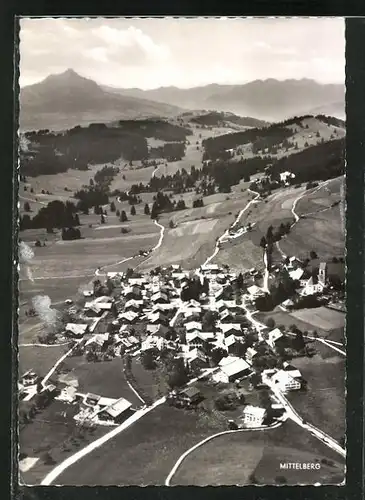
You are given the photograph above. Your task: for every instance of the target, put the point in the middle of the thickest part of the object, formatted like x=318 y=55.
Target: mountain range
x=270 y=99
x=68 y=99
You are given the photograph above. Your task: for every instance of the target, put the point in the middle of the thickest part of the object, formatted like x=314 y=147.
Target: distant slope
x=277 y=140
x=219 y=119
x=270 y=99
x=68 y=99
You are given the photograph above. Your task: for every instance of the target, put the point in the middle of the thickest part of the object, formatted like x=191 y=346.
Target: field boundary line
x=42 y=345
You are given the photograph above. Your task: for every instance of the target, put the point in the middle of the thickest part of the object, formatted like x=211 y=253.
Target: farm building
x=117 y=412
x=196 y=359
x=231 y=369
x=76 y=330
x=190 y=396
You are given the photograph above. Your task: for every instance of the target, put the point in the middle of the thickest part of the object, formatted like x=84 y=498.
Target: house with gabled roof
x=157 y=318
x=250 y=355
x=231 y=369
x=253 y=416
x=195 y=340
x=132 y=292
x=285 y=382
x=117 y=412
x=193 y=325
x=274 y=337
x=128 y=317
x=159 y=298
x=226 y=316
x=230 y=329
x=196 y=359
x=133 y=305
x=231 y=343
x=312 y=286
x=76 y=330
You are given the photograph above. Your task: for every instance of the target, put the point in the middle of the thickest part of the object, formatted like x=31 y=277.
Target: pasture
x=322 y=232
x=237 y=458
x=324 y=321
x=144 y=453
x=321 y=317
x=53 y=430
x=323 y=403
x=241 y=254
x=40 y=359
x=322 y=198
x=105 y=378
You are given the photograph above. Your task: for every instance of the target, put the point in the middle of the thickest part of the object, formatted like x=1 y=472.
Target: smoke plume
x=42 y=306
x=26 y=256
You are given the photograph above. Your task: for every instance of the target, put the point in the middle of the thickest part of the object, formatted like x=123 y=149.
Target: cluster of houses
x=145 y=314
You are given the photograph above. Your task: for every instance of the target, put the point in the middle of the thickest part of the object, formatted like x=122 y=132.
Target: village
x=197 y=331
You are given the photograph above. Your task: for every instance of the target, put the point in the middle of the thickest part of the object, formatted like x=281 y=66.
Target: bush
x=270 y=323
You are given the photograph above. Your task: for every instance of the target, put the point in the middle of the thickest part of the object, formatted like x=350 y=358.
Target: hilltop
x=269 y=100
x=64 y=100
x=221 y=119
x=277 y=140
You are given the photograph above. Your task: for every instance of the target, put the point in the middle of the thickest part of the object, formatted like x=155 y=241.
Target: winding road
x=206 y=440
x=225 y=235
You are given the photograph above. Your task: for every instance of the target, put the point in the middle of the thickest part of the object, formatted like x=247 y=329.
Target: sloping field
x=323 y=403
x=308 y=321
x=322 y=198
x=55 y=184
x=323 y=233
x=105 y=378
x=143 y=454
x=190 y=244
x=321 y=317
x=232 y=459
x=241 y=255
x=40 y=359
x=54 y=431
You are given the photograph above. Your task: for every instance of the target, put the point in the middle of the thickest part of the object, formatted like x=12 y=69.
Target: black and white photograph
x=181 y=242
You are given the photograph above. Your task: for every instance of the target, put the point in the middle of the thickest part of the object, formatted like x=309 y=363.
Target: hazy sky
x=149 y=53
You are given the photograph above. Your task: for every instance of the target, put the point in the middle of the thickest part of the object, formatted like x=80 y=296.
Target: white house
x=285 y=382
x=230 y=328
x=250 y=354
x=296 y=274
x=273 y=337
x=128 y=317
x=193 y=325
x=77 y=330
x=312 y=287
x=254 y=291
x=253 y=416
